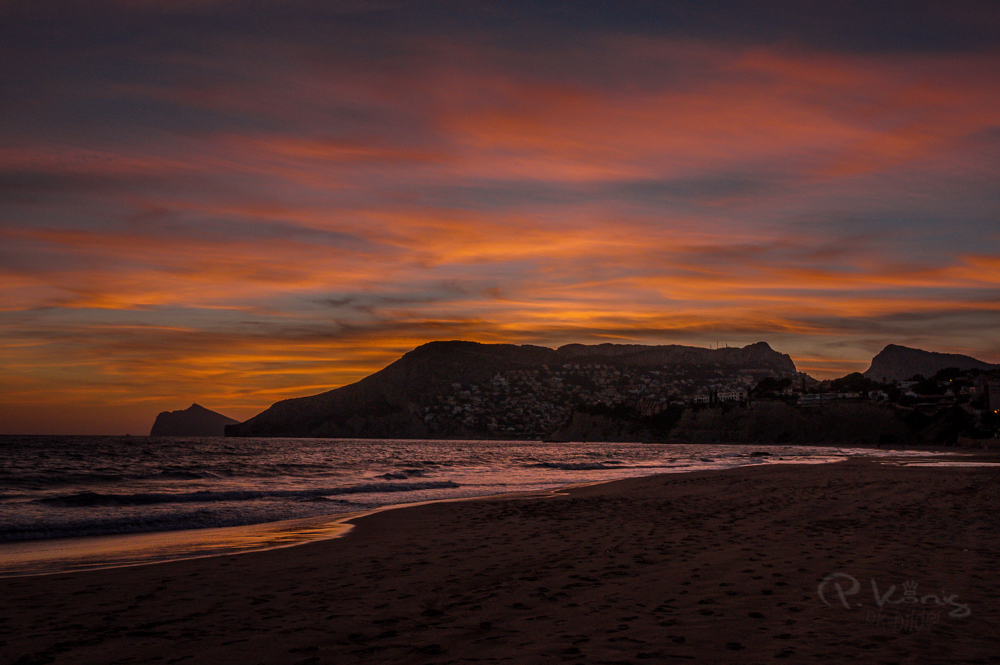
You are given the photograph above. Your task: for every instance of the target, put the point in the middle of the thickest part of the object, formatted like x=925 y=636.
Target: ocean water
x=80 y=502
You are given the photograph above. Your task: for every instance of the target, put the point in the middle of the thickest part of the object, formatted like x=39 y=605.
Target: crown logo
x=910 y=592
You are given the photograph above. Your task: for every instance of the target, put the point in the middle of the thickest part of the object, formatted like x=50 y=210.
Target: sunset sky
x=232 y=203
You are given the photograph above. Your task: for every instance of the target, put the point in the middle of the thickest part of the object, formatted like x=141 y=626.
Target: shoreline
x=281 y=534
x=127 y=550
x=723 y=565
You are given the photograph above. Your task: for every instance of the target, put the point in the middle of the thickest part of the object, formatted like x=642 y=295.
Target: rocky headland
x=195 y=420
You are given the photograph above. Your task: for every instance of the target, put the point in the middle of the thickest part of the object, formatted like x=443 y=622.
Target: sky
x=233 y=203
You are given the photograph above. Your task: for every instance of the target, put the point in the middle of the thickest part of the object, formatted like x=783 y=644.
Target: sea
x=78 y=502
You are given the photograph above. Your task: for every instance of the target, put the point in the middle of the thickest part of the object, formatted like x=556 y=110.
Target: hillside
x=462 y=389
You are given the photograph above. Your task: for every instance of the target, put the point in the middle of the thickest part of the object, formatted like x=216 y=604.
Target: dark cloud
x=245 y=229
x=144 y=28
x=28 y=186
x=18 y=186
x=943 y=322
x=708 y=189
x=375 y=303
x=846 y=25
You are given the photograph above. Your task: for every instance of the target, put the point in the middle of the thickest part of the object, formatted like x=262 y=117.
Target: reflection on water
x=70 y=554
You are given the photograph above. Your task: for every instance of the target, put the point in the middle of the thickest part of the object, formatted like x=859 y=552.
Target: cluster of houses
x=819 y=399
x=972 y=397
x=536 y=401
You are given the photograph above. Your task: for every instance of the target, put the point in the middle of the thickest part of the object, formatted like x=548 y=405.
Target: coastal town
x=533 y=402
x=454 y=389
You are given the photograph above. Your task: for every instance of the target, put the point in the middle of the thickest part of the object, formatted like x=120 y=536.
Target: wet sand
x=719 y=566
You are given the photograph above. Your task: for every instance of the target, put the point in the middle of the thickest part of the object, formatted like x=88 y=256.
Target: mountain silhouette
x=195 y=420
x=899 y=363
x=406 y=399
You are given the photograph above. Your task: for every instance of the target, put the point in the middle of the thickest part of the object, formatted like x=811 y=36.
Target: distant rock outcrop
x=393 y=402
x=193 y=421
x=899 y=363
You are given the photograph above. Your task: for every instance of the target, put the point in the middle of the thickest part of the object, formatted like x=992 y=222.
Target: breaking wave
x=578 y=466
x=207 y=496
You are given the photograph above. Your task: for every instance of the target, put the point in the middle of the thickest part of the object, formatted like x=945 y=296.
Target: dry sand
x=719 y=567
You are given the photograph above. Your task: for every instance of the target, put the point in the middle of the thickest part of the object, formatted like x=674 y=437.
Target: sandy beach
x=849 y=562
